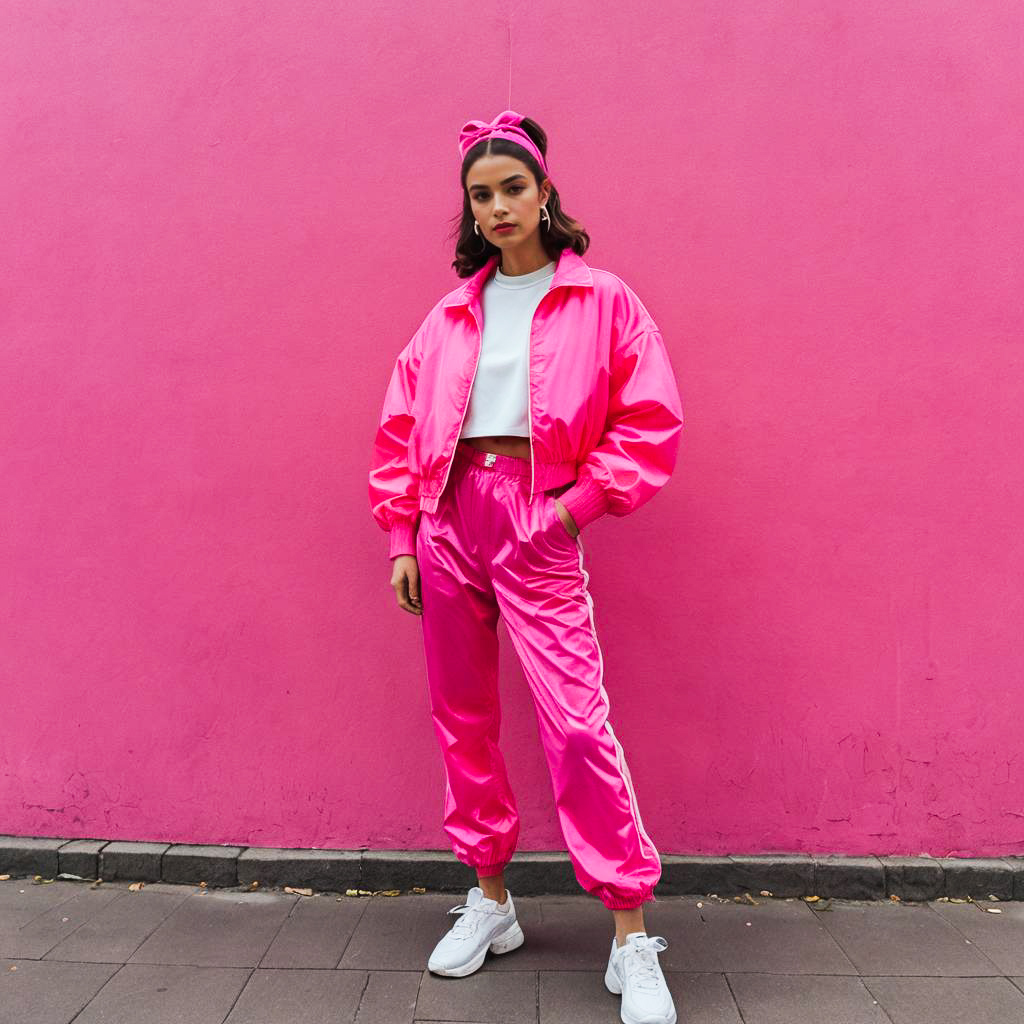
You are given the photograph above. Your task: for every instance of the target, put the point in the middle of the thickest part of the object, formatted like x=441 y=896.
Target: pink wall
x=222 y=221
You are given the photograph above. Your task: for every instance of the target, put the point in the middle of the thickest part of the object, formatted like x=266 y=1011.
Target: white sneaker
x=635 y=972
x=483 y=925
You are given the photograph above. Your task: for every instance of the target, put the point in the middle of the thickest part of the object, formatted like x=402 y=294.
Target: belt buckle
x=490 y=459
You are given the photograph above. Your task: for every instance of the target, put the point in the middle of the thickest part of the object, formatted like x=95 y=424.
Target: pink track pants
x=488 y=550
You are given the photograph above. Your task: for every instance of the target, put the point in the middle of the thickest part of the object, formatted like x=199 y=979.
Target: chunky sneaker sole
x=511 y=938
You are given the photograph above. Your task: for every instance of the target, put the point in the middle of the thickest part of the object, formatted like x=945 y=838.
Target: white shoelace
x=641 y=961
x=472 y=914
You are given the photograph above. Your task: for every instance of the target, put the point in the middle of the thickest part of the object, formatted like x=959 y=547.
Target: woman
x=533 y=399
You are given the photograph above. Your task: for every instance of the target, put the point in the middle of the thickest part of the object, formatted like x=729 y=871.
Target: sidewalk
x=179 y=954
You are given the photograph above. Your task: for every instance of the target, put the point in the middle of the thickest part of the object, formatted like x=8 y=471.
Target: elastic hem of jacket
x=585 y=501
x=402 y=538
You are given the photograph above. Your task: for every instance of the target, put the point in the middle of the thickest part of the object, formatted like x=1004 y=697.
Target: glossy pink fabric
x=604 y=408
x=488 y=550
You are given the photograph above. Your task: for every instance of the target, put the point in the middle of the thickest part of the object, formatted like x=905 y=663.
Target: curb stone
x=529 y=874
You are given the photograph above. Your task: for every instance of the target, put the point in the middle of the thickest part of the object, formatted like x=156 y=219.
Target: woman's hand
x=570 y=523
x=405 y=578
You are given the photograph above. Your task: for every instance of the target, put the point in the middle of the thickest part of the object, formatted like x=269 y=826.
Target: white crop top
x=498 y=401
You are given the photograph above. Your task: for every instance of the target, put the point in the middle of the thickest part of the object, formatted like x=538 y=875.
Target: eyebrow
x=504 y=181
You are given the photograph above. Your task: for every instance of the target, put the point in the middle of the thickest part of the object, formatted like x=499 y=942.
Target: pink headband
x=505 y=126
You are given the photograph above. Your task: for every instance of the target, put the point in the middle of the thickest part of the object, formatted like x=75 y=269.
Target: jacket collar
x=570 y=269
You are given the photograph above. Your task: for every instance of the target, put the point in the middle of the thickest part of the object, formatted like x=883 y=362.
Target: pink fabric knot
x=505 y=126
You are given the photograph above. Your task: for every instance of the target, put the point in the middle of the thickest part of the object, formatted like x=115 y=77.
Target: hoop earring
x=545 y=217
x=476 y=231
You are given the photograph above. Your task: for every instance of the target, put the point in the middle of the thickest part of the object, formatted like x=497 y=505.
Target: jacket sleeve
x=637 y=450
x=394 y=489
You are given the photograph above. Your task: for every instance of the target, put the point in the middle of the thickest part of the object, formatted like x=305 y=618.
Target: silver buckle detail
x=491 y=459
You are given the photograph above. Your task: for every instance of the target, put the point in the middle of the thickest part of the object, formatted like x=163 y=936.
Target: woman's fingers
x=414 y=585
x=406 y=583
x=567 y=519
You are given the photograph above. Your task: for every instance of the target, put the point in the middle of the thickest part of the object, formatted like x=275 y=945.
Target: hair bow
x=505 y=125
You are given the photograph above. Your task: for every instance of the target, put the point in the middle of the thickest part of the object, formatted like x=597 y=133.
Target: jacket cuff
x=585 y=501
x=402 y=538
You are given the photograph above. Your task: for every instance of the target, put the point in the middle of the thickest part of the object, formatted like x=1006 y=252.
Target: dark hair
x=472 y=251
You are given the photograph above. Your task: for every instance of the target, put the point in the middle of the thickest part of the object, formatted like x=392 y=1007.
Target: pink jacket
x=604 y=408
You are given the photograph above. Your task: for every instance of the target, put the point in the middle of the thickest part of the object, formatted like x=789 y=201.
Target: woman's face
x=502 y=189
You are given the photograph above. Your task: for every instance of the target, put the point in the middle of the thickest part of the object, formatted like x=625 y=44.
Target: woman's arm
x=637 y=451
x=393 y=489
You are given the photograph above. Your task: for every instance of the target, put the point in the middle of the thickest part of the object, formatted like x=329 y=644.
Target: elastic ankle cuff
x=489 y=870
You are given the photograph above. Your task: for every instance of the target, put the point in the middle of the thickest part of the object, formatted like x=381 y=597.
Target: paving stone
x=217 y=929
x=902 y=939
x=561 y=933
x=948 y=1000
x=127 y=885
x=165 y=994
x=215 y=865
x=119 y=928
x=804 y=999
x=681 y=921
x=491 y=997
x=400 y=932
x=139 y=862
x=777 y=936
x=389 y=997
x=569 y=997
x=43 y=932
x=274 y=996
x=1000 y=936
x=297 y=959
x=316 y=932
x=22 y=901
x=37 y=992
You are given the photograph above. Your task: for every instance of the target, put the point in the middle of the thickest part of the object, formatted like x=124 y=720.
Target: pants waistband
x=510 y=465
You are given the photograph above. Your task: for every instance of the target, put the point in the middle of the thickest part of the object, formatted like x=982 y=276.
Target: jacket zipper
x=529 y=394
x=529 y=390
x=469 y=395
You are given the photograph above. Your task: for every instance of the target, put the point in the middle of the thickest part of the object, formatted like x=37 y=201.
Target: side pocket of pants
x=550 y=495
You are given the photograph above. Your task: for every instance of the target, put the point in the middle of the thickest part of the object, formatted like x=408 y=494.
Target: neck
x=515 y=261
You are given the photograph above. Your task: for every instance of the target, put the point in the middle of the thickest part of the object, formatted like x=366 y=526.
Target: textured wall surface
x=221 y=222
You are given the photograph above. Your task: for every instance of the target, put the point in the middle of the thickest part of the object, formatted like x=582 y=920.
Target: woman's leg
x=541 y=588
x=460 y=618
x=627 y=921
x=493 y=886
